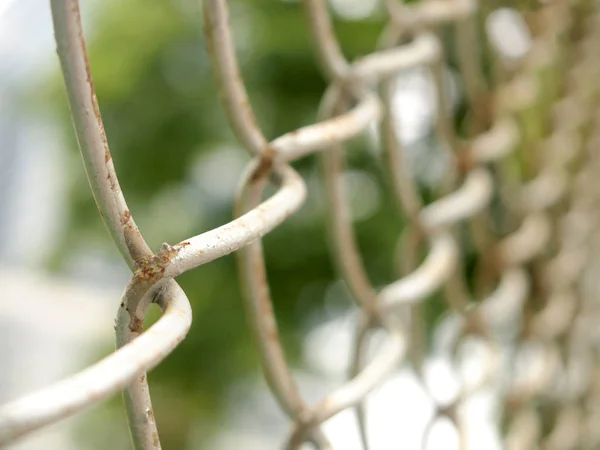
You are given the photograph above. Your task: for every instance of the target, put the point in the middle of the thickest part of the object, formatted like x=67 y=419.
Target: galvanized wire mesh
x=521 y=192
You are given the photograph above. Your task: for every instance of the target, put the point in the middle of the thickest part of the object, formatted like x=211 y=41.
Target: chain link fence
x=520 y=195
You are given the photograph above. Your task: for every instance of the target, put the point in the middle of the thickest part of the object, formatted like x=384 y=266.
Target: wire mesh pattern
x=521 y=195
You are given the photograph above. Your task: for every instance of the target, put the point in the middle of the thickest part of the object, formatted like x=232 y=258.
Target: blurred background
x=179 y=165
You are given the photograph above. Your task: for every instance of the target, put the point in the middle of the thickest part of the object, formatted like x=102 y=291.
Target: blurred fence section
x=519 y=198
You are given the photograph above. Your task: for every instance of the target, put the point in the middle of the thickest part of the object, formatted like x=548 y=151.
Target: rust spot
x=136 y=324
x=184 y=244
x=85 y=55
x=166 y=252
x=122 y=304
x=107 y=155
x=88 y=73
x=155 y=440
x=145 y=273
x=143 y=378
x=155 y=266
x=150 y=415
x=132 y=235
x=112 y=182
x=125 y=217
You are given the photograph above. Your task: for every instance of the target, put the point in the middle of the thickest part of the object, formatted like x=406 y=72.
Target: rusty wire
x=521 y=185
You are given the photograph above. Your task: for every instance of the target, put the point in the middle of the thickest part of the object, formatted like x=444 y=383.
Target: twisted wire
x=521 y=187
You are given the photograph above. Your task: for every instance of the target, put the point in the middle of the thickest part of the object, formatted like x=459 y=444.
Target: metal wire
x=521 y=187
